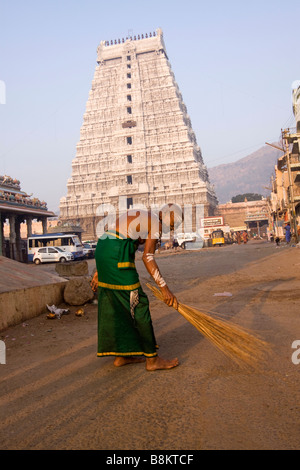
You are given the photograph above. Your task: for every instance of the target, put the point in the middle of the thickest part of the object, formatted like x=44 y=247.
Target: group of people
x=288 y=235
x=241 y=237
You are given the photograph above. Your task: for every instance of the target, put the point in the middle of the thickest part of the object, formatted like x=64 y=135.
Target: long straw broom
x=235 y=342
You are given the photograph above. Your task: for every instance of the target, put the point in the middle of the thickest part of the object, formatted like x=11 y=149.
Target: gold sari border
x=127 y=354
x=118 y=287
x=126 y=265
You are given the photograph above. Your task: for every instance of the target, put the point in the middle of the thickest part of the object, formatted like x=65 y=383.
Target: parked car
x=88 y=250
x=52 y=254
x=91 y=243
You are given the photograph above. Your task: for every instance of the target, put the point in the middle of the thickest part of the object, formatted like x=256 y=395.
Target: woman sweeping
x=125 y=328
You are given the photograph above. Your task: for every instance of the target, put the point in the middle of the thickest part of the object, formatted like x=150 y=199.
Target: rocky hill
x=251 y=174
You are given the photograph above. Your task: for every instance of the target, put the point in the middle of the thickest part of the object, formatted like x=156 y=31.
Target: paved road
x=56 y=394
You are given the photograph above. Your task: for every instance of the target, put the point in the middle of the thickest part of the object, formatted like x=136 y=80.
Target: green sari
x=124 y=321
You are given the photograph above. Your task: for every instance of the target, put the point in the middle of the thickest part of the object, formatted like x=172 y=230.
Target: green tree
x=248 y=196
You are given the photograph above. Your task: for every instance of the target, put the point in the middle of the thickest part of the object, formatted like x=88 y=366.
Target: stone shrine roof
x=12 y=199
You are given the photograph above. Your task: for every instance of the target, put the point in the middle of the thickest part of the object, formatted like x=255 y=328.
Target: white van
x=189 y=240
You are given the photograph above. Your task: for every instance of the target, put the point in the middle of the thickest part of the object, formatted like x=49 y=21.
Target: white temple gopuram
x=136 y=140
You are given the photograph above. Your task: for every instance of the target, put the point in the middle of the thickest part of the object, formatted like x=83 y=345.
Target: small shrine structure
x=17 y=207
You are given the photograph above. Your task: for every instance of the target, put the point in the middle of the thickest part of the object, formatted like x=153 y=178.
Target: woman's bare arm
x=153 y=270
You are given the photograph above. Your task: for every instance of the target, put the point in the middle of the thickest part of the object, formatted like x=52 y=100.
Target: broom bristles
x=235 y=342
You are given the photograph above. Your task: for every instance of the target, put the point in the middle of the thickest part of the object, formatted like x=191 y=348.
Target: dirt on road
x=56 y=394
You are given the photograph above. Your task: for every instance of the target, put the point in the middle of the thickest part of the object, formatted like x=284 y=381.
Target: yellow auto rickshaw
x=218 y=237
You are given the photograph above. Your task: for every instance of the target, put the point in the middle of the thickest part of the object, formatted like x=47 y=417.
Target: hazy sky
x=234 y=62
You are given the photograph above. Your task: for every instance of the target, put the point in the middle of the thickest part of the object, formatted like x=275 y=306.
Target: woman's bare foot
x=158 y=363
x=122 y=361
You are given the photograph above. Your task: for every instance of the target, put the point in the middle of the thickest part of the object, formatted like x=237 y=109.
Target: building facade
x=251 y=216
x=285 y=196
x=136 y=141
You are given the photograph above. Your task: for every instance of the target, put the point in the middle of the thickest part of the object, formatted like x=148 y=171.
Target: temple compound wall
x=136 y=140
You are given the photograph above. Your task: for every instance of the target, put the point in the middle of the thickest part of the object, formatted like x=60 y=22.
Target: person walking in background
x=245 y=237
x=288 y=233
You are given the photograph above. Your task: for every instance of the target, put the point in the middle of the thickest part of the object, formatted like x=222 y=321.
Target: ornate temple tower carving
x=136 y=139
